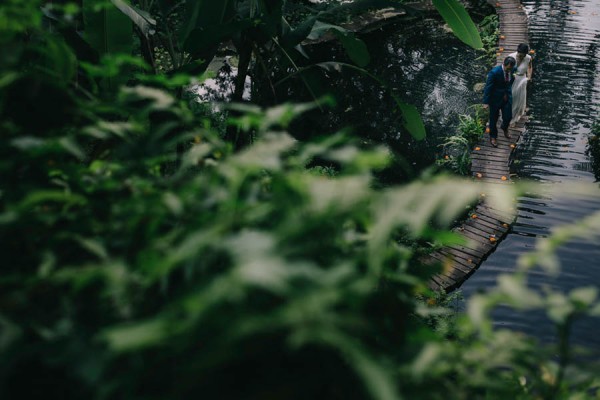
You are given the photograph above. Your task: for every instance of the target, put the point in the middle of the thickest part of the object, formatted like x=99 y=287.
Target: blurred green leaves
x=16 y=16
x=109 y=32
x=143 y=258
x=107 y=29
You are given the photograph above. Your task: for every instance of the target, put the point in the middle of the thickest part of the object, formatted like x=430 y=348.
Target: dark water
x=563 y=99
x=421 y=63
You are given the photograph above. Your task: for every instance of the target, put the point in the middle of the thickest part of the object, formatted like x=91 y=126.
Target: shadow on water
x=563 y=100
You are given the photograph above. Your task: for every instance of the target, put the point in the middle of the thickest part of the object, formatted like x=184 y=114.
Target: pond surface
x=563 y=99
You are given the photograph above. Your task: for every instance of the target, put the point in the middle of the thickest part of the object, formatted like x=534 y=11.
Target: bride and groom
x=505 y=91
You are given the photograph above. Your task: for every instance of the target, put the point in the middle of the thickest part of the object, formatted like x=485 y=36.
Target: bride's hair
x=523 y=48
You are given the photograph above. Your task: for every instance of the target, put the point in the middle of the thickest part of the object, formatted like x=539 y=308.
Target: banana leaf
x=106 y=28
x=459 y=21
x=109 y=32
x=142 y=19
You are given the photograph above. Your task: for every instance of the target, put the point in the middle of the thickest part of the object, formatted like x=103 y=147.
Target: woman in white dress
x=524 y=70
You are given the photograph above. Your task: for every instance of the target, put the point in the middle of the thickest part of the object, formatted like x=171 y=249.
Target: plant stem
x=564 y=331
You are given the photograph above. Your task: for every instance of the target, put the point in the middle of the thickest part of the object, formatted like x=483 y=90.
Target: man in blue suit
x=497 y=95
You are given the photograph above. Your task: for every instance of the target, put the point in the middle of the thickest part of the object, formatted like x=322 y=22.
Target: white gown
x=519 y=87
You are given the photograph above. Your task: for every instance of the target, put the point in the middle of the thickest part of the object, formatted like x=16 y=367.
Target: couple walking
x=506 y=90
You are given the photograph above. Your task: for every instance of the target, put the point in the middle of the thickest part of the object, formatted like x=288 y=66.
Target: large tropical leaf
x=355 y=48
x=107 y=29
x=201 y=41
x=200 y=14
x=143 y=20
x=109 y=32
x=293 y=37
x=412 y=120
x=207 y=23
x=459 y=21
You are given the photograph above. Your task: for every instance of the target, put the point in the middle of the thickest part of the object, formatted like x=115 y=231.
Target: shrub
x=457 y=148
x=142 y=258
x=489 y=31
x=593 y=148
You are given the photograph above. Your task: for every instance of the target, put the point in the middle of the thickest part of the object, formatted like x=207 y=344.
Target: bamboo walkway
x=491 y=165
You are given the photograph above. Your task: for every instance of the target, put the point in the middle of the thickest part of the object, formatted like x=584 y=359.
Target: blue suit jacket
x=496 y=87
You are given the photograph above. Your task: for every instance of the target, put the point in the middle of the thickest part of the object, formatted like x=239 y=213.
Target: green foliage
x=15 y=16
x=489 y=30
x=440 y=312
x=110 y=33
x=107 y=29
x=356 y=48
x=225 y=251
x=192 y=32
x=457 y=155
x=143 y=258
x=593 y=148
x=457 y=148
x=458 y=19
x=142 y=19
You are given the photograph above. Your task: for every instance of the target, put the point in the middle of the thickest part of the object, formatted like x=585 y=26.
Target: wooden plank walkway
x=488 y=227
